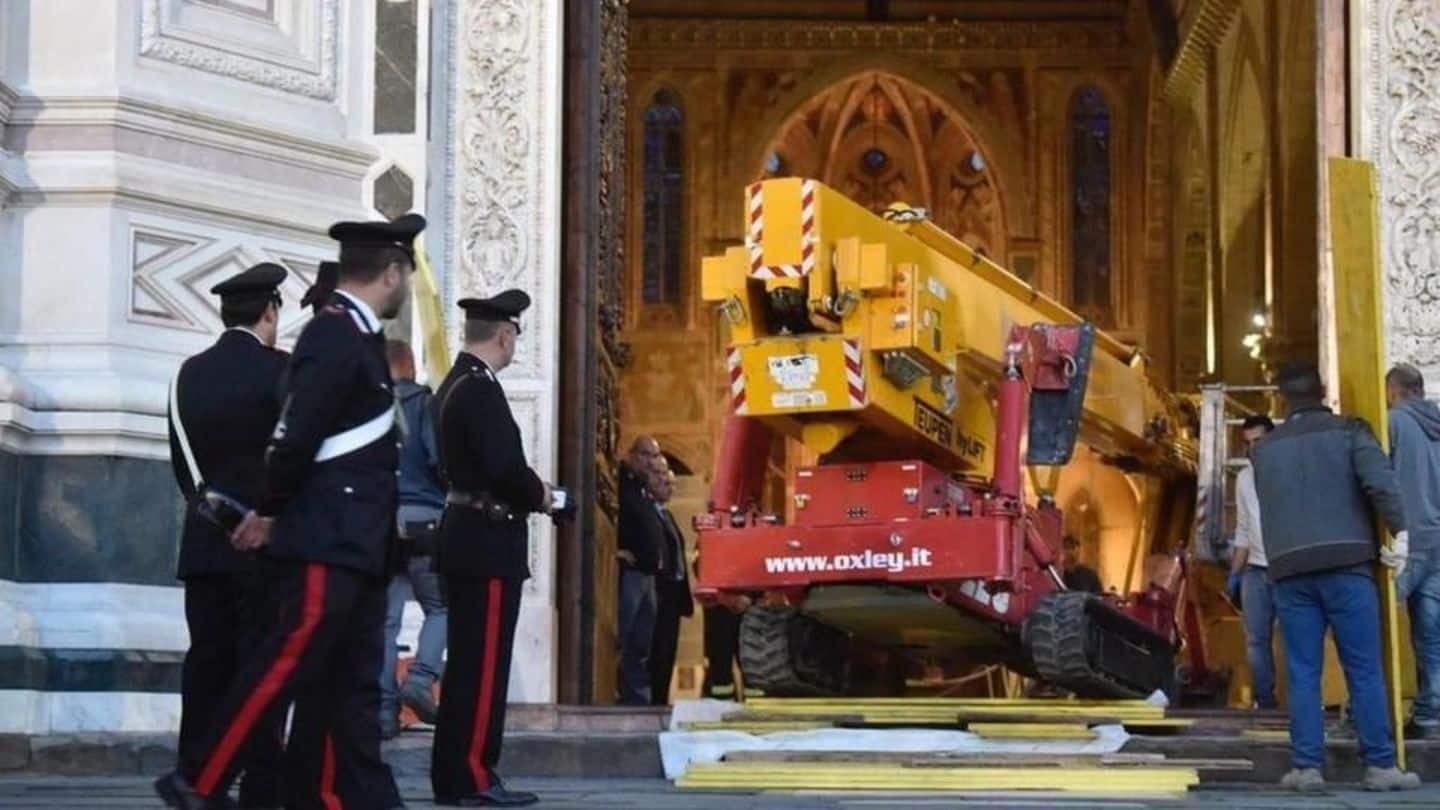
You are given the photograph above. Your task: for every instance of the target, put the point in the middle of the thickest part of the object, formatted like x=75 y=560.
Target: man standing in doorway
x=1250 y=575
x=223 y=405
x=673 y=600
x=642 y=541
x=484 y=553
x=1321 y=479
x=1415 y=454
x=422 y=498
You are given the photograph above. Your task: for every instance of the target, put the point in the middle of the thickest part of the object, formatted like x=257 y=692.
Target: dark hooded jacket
x=1322 y=479
x=1415 y=455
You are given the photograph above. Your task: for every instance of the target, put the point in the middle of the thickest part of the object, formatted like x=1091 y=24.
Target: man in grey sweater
x=1415 y=454
x=1321 y=480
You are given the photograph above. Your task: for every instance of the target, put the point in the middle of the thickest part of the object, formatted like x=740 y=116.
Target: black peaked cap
x=259 y=281
x=505 y=306
x=399 y=233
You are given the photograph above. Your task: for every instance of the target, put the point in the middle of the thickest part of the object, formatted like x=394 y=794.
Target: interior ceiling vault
x=884 y=10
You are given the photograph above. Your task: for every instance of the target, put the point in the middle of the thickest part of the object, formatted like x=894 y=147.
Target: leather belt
x=480 y=502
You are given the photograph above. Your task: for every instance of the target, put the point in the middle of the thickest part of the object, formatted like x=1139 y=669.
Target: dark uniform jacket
x=1321 y=480
x=482 y=455
x=673 y=582
x=229 y=399
x=641 y=529
x=340 y=511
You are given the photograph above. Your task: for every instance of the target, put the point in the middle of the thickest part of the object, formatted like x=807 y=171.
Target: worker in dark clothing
x=641 y=543
x=484 y=553
x=422 y=499
x=1320 y=480
x=673 y=600
x=722 y=642
x=223 y=405
x=326 y=519
x=1079 y=576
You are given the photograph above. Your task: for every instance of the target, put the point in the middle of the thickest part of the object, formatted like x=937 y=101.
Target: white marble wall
x=150 y=152
x=149 y=148
x=501 y=200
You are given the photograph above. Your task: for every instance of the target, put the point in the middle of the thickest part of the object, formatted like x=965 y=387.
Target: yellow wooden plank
x=1032 y=731
x=1360 y=335
x=889 y=777
x=756 y=727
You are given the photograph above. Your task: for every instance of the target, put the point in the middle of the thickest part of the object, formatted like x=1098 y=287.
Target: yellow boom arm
x=873 y=336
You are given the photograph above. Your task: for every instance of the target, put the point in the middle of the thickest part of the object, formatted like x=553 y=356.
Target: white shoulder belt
x=357 y=437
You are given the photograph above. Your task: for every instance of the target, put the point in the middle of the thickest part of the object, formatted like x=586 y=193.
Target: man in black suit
x=223 y=405
x=673 y=600
x=484 y=553
x=641 y=542
x=326 y=518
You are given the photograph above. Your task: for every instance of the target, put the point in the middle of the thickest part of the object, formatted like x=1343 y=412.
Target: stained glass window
x=1090 y=218
x=663 y=243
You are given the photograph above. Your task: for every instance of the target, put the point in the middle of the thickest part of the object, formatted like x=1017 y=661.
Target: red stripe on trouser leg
x=312 y=607
x=327 y=776
x=487 y=688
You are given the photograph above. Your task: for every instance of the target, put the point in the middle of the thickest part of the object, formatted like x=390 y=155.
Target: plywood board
x=1360 y=335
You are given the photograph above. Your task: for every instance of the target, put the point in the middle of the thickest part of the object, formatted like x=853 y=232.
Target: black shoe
x=176 y=792
x=421 y=702
x=496 y=796
x=1422 y=731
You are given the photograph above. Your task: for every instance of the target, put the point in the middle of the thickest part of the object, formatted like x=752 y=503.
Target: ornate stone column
x=1397 y=126
x=501 y=201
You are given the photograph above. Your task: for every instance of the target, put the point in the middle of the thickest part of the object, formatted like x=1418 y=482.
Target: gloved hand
x=1232 y=587
x=1395 y=555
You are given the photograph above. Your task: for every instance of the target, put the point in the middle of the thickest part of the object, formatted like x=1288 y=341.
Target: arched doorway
x=880 y=138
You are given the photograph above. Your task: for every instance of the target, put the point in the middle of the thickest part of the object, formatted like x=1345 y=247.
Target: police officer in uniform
x=223 y=406
x=326 y=519
x=483 y=554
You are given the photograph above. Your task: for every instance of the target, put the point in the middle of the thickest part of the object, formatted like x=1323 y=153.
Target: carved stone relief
x=297 y=55
x=1403 y=100
x=171 y=273
x=497 y=232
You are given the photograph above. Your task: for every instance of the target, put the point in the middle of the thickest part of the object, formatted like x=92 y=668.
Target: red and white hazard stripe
x=737 y=380
x=854 y=373
x=754 y=240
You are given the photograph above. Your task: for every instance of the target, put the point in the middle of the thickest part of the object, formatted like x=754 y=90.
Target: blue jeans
x=1419 y=586
x=420 y=580
x=1349 y=605
x=637 y=632
x=1258 y=599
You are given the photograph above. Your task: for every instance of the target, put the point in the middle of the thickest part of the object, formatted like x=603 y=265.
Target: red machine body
x=974 y=546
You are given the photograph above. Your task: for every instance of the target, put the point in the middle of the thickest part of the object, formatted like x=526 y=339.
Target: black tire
x=1063 y=637
x=787 y=654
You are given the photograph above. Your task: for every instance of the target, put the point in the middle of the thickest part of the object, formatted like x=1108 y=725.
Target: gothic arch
x=878 y=138
x=1010 y=167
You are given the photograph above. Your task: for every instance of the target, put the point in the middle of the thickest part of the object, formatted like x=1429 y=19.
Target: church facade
x=1157 y=165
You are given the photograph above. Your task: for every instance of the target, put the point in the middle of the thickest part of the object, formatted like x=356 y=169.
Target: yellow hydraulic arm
x=869 y=336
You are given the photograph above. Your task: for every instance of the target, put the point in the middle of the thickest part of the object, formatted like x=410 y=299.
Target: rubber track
x=770 y=660
x=1057 y=639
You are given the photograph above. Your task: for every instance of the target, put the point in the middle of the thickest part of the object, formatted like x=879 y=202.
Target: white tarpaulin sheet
x=679 y=749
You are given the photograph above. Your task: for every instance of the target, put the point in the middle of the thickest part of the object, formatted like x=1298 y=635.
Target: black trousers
x=324 y=651
x=722 y=640
x=670 y=605
x=479 y=641
x=227 y=615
